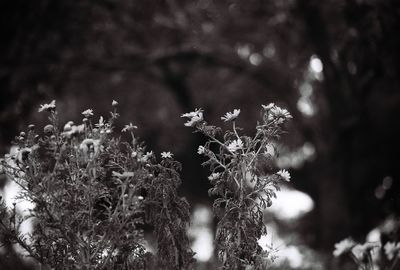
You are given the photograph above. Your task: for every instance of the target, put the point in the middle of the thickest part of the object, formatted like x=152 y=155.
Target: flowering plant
x=244 y=179
x=92 y=195
x=370 y=255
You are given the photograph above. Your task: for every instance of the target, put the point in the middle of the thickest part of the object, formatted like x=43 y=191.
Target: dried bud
x=114 y=103
x=31 y=127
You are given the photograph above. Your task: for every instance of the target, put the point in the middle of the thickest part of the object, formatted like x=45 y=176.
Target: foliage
x=244 y=179
x=93 y=194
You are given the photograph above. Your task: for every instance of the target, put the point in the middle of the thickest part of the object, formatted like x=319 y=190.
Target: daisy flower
x=343 y=246
x=87 y=113
x=214 y=176
x=235 y=145
x=278 y=112
x=201 y=150
x=166 y=155
x=195 y=117
x=100 y=123
x=268 y=107
x=129 y=127
x=284 y=174
x=48 y=107
x=146 y=157
x=229 y=116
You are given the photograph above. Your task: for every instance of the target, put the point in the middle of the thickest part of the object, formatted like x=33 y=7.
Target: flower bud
x=48 y=129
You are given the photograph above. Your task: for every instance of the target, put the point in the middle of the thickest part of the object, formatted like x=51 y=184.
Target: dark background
x=160 y=59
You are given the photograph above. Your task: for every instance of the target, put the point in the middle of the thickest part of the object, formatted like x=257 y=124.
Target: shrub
x=236 y=160
x=93 y=193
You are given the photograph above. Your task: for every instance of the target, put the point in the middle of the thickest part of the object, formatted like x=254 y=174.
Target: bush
x=93 y=194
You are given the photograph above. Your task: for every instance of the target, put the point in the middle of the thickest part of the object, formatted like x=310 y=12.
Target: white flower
x=392 y=249
x=195 y=117
x=229 y=116
x=129 y=127
x=70 y=129
x=89 y=147
x=87 y=113
x=48 y=107
x=343 y=246
x=360 y=251
x=278 y=112
x=166 y=155
x=68 y=126
x=235 y=145
x=101 y=122
x=214 y=176
x=114 y=103
x=201 y=150
x=268 y=107
x=146 y=157
x=284 y=174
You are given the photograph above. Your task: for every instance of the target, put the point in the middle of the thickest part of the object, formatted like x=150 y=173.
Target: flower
x=129 y=127
x=284 y=174
x=343 y=246
x=201 y=150
x=68 y=126
x=360 y=251
x=48 y=107
x=278 y=112
x=90 y=147
x=392 y=249
x=166 y=155
x=71 y=130
x=229 y=116
x=87 y=113
x=146 y=157
x=214 y=176
x=195 y=117
x=235 y=145
x=48 y=129
x=101 y=122
x=268 y=107
x=114 y=103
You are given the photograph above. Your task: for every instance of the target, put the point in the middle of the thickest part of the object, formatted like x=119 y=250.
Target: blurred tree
x=162 y=58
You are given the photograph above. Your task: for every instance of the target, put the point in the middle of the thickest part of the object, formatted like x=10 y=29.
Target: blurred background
x=333 y=64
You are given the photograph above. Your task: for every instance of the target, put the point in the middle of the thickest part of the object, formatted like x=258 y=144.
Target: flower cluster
x=92 y=195
x=236 y=160
x=367 y=255
x=194 y=117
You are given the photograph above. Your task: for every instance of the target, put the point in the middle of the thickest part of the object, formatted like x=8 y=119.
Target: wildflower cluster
x=366 y=255
x=92 y=195
x=244 y=179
